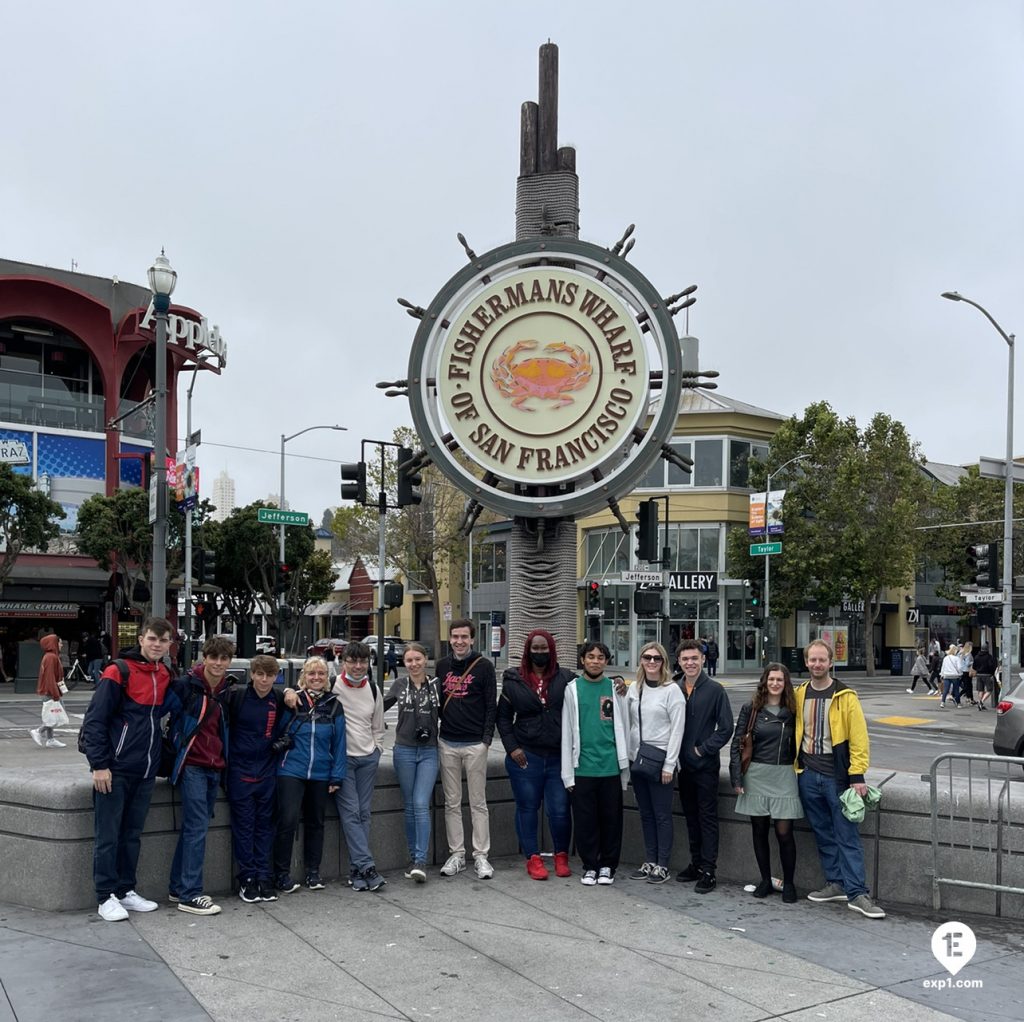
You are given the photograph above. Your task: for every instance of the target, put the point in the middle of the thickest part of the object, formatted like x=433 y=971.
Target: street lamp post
x=161 y=282
x=284 y=440
x=1007 y=623
x=767 y=557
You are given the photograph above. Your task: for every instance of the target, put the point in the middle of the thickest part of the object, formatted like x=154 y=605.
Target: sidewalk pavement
x=508 y=948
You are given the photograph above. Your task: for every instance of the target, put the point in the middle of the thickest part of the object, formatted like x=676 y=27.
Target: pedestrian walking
x=711 y=658
x=967 y=672
x=51 y=678
x=951 y=673
x=984 y=677
x=921 y=672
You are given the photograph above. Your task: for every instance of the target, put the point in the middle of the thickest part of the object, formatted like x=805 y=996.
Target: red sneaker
x=562 y=865
x=536 y=868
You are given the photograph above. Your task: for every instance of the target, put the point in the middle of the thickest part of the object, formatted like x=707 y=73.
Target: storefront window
x=676 y=476
x=489 y=563
x=607 y=552
x=707 y=468
x=740 y=453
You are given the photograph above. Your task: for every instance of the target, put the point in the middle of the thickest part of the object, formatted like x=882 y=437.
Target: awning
x=326 y=610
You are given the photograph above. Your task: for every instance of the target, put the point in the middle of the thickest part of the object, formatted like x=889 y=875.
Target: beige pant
x=474 y=757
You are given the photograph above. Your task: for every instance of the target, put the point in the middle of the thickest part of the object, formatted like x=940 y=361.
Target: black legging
x=759 y=826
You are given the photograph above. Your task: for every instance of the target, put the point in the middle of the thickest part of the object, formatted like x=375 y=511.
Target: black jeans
x=296 y=796
x=597 y=817
x=119 y=817
x=698 y=793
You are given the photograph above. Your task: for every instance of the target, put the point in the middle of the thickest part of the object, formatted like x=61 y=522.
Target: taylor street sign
x=762 y=549
x=641 y=576
x=983 y=597
x=273 y=516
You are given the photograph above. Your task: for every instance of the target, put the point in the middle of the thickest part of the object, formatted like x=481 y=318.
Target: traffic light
x=408 y=479
x=206 y=567
x=593 y=596
x=982 y=564
x=647 y=515
x=284 y=578
x=394 y=594
x=757 y=601
x=353 y=486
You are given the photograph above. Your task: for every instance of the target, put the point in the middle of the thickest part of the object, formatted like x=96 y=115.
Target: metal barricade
x=978 y=835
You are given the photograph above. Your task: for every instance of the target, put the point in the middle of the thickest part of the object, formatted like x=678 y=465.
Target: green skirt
x=770 y=789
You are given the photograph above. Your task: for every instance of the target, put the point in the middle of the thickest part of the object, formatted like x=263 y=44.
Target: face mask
x=540 y=659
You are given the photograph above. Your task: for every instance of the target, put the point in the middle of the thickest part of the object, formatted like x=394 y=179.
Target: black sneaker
x=313 y=881
x=706 y=884
x=200 y=905
x=249 y=891
x=684 y=876
x=285 y=884
x=267 y=892
x=763 y=889
x=374 y=881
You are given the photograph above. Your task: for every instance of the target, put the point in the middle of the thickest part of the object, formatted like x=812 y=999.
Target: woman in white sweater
x=657 y=711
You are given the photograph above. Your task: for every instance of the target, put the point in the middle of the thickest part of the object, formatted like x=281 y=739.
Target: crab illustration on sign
x=546 y=378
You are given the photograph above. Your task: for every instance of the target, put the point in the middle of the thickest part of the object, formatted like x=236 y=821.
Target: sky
x=822 y=172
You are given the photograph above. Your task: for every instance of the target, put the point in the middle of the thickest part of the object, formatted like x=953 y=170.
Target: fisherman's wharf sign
x=535 y=365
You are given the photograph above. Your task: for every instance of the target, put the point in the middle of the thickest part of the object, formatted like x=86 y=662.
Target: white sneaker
x=37 y=736
x=604 y=877
x=484 y=870
x=589 y=878
x=910 y=690
x=134 y=902
x=54 y=743
x=454 y=864
x=112 y=911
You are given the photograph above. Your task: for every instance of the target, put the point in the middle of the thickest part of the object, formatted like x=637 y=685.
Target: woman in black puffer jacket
x=529 y=720
x=768 y=791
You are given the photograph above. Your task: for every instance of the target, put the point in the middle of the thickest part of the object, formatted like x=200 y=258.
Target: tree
x=28 y=518
x=853 y=502
x=115 y=531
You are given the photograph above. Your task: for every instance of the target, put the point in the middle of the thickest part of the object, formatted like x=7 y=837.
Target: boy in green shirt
x=595 y=764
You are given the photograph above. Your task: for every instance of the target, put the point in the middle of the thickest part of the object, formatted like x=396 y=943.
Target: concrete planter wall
x=46 y=841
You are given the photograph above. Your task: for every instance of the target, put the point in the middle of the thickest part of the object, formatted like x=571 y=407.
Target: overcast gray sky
x=821 y=170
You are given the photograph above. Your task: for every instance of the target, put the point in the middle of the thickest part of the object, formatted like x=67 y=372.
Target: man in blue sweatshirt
x=256 y=718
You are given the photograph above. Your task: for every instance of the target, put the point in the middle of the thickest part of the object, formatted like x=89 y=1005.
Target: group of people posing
x=573 y=744
x=957 y=676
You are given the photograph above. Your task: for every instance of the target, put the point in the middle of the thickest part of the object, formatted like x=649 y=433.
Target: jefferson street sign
x=273 y=516
x=761 y=549
x=641 y=576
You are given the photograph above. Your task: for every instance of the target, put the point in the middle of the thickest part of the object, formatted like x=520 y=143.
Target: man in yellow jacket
x=832 y=755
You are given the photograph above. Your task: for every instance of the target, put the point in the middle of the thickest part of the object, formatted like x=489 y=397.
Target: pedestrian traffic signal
x=647 y=603
x=647 y=546
x=408 y=479
x=982 y=564
x=394 y=594
x=593 y=596
x=206 y=567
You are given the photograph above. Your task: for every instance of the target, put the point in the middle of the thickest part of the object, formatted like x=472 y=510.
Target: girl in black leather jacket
x=767 y=789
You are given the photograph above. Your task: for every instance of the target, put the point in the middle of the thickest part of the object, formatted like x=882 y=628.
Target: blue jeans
x=118 y=820
x=353 y=800
x=838 y=840
x=94 y=670
x=951 y=684
x=252 y=825
x=654 y=801
x=540 y=780
x=416 y=766
x=198 y=789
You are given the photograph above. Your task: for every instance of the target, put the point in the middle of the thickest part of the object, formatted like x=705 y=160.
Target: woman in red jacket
x=51 y=673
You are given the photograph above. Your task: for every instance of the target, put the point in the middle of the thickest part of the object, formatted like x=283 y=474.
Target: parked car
x=321 y=645
x=1008 y=739
x=371 y=641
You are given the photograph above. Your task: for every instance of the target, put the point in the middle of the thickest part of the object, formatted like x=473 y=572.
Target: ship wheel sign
x=531 y=373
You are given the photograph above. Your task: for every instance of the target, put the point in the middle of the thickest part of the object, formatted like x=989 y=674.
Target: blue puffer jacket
x=121 y=730
x=318 y=752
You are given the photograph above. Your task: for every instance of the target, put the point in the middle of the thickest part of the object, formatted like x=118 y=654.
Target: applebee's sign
x=188 y=333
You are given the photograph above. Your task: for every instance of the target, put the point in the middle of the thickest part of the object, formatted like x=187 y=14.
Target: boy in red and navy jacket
x=121 y=740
